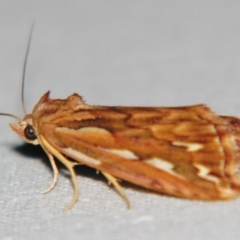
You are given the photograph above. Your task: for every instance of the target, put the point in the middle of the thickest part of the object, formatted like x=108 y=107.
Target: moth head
x=25 y=129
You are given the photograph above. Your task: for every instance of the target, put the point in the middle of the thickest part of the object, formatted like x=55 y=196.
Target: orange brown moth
x=186 y=152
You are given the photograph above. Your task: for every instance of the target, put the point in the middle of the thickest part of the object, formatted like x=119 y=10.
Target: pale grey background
x=159 y=53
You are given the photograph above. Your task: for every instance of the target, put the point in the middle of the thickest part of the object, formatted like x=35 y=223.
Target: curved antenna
x=24 y=72
x=23 y=79
x=10 y=115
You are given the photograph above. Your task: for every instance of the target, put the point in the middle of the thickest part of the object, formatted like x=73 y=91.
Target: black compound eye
x=29 y=133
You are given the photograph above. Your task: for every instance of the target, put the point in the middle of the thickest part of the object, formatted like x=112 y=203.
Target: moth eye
x=29 y=133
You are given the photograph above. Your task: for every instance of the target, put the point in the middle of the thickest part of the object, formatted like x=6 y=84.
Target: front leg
x=55 y=173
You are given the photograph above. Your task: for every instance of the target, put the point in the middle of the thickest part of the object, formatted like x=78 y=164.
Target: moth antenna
x=23 y=79
x=24 y=70
x=11 y=115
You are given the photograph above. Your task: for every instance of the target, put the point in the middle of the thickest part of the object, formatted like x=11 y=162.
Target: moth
x=186 y=152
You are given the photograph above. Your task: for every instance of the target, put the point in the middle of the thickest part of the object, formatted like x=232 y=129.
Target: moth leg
x=70 y=168
x=118 y=187
x=55 y=173
x=68 y=164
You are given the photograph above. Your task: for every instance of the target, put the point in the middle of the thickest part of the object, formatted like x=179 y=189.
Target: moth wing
x=180 y=157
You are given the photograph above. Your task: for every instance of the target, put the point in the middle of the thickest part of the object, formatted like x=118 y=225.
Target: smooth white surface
x=158 y=53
